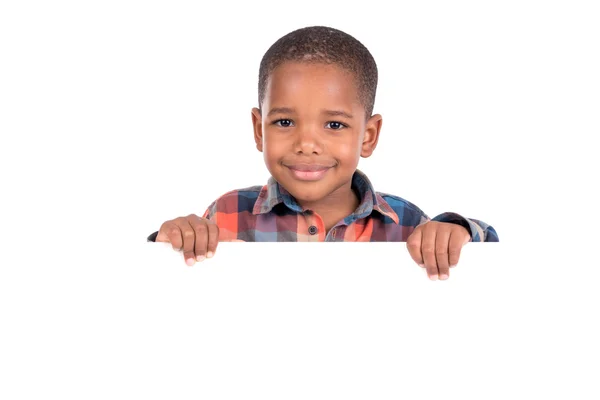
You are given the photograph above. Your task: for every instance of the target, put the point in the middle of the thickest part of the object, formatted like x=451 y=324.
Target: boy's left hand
x=436 y=247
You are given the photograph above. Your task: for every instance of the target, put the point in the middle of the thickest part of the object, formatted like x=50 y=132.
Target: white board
x=283 y=320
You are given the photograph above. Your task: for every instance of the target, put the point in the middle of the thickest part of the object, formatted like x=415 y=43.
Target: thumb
x=162 y=237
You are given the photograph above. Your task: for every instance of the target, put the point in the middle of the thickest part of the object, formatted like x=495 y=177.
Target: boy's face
x=312 y=130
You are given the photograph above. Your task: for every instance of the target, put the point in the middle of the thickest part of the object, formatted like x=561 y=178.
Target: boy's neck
x=335 y=207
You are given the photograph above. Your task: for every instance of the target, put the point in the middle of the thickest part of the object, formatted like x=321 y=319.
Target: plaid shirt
x=270 y=214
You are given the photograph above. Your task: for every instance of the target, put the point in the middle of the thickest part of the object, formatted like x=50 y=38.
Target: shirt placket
x=316 y=227
x=335 y=233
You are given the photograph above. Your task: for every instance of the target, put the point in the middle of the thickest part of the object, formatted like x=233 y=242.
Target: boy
x=316 y=94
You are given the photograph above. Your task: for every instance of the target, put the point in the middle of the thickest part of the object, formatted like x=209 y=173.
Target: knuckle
x=201 y=228
x=441 y=250
x=428 y=249
x=202 y=234
x=412 y=243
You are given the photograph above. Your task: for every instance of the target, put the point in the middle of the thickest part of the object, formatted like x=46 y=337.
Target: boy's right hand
x=197 y=237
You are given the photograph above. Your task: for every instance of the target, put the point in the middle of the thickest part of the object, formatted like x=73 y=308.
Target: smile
x=307 y=172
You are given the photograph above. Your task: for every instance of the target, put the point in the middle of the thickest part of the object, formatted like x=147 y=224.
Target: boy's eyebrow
x=288 y=110
x=335 y=113
x=281 y=110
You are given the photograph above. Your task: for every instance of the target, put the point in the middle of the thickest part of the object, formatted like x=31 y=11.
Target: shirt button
x=312 y=229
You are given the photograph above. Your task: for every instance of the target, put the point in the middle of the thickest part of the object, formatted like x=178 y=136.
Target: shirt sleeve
x=211 y=212
x=152 y=237
x=479 y=230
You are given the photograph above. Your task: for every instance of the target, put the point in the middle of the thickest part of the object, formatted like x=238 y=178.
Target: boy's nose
x=307 y=142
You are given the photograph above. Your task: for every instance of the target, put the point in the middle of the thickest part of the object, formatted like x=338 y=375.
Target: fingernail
x=189 y=261
x=452 y=266
x=422 y=265
x=443 y=276
x=433 y=277
x=200 y=258
x=209 y=254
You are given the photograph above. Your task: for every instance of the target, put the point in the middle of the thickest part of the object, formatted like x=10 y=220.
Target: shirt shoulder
x=408 y=212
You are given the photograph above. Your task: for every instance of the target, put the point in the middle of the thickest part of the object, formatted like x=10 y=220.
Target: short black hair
x=321 y=44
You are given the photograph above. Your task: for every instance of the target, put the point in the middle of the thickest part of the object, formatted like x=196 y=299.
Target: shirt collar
x=273 y=194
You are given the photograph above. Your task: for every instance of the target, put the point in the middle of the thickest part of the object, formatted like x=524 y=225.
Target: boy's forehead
x=312 y=82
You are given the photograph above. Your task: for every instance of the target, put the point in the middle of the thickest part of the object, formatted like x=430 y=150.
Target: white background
x=116 y=116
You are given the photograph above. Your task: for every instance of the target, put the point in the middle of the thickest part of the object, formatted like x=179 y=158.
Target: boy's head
x=320 y=44
x=316 y=94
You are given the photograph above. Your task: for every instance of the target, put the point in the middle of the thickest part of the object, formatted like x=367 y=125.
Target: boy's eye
x=286 y=123
x=283 y=122
x=335 y=125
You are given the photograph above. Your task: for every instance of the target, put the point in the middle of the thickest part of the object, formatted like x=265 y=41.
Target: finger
x=174 y=236
x=201 y=231
x=198 y=224
x=213 y=239
x=457 y=241
x=413 y=243
x=442 y=240
x=428 y=251
x=189 y=237
x=162 y=233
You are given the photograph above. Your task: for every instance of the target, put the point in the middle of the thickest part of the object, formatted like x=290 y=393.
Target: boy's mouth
x=308 y=172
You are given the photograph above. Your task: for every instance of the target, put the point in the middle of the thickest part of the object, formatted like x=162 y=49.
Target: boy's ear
x=257 y=124
x=372 y=129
